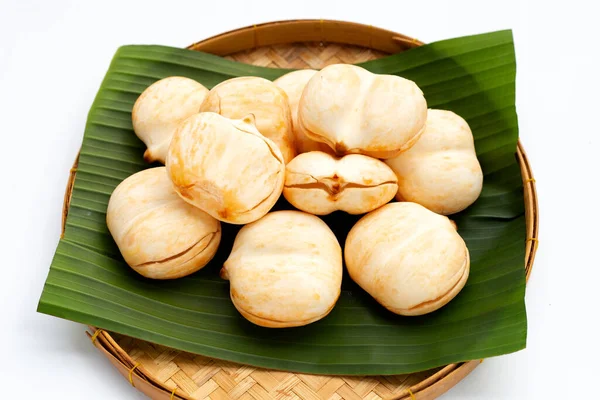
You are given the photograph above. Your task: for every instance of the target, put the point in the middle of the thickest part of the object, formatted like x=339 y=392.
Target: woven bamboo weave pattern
x=305 y=55
x=200 y=378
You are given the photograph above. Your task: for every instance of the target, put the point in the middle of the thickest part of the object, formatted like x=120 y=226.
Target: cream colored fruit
x=285 y=270
x=355 y=111
x=225 y=167
x=320 y=183
x=161 y=108
x=159 y=235
x=293 y=84
x=235 y=98
x=410 y=259
x=441 y=171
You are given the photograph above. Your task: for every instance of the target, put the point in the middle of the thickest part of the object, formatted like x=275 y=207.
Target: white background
x=53 y=55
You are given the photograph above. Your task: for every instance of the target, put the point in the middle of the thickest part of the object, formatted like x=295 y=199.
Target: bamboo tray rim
x=315 y=30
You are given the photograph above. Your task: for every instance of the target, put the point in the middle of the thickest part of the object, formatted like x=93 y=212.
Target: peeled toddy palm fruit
x=285 y=270
x=235 y=98
x=441 y=171
x=354 y=111
x=293 y=84
x=225 y=167
x=411 y=260
x=161 y=108
x=320 y=183
x=159 y=235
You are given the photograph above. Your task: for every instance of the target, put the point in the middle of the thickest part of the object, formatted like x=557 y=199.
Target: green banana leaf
x=90 y=283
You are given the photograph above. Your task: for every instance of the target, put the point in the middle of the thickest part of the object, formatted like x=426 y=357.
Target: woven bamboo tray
x=164 y=373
